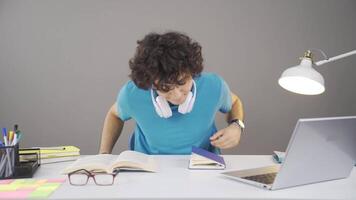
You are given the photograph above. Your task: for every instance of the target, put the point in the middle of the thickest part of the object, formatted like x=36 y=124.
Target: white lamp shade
x=302 y=79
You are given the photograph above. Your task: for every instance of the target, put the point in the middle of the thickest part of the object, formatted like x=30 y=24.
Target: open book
x=203 y=159
x=128 y=160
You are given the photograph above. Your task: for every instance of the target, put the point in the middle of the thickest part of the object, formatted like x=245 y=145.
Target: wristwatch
x=238 y=123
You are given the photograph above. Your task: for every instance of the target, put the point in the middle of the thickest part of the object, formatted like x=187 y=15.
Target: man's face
x=179 y=93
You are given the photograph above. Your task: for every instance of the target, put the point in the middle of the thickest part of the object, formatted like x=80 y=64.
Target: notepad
x=28 y=188
x=203 y=159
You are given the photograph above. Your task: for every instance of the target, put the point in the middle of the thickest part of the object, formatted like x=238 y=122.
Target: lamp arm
x=321 y=62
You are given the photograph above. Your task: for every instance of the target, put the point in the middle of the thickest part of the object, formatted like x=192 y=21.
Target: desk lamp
x=303 y=78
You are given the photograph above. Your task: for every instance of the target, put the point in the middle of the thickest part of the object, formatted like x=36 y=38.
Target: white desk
x=175 y=181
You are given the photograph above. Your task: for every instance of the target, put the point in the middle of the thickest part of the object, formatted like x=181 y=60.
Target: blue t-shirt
x=177 y=134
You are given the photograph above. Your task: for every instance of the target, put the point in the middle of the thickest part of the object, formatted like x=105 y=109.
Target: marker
x=14 y=141
x=16 y=128
x=11 y=137
x=19 y=135
x=4 y=133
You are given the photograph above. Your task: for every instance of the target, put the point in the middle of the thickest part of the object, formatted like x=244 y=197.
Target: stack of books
x=50 y=154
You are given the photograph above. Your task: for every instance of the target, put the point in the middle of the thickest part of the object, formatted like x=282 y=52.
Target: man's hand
x=227 y=137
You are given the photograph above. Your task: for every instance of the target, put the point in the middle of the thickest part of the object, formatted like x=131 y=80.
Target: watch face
x=241 y=123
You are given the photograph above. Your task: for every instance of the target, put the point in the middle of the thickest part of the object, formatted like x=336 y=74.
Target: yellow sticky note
x=9 y=187
x=41 y=181
x=40 y=194
x=18 y=182
x=28 y=186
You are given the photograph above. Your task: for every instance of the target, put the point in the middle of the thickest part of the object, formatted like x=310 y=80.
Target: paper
x=28 y=188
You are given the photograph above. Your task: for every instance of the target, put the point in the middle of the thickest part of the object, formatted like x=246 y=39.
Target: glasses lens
x=104 y=179
x=78 y=179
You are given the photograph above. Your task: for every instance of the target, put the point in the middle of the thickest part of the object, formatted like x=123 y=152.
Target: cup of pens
x=9 y=148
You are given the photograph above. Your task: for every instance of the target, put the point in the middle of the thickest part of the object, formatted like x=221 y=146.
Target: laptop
x=320 y=149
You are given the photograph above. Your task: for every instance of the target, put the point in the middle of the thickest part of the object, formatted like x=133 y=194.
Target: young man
x=172 y=101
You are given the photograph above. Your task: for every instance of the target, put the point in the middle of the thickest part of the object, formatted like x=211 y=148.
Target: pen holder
x=8 y=160
x=18 y=165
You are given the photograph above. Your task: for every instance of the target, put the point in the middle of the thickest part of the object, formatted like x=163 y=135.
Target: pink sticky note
x=6 y=181
x=56 y=180
x=20 y=194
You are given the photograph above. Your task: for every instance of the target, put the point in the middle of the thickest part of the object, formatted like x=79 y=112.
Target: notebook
x=203 y=159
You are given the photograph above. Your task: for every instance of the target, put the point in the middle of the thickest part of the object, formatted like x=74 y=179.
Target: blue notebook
x=203 y=159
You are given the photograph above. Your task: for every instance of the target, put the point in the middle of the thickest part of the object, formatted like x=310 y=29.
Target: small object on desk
x=203 y=159
x=4 y=133
x=16 y=128
x=62 y=148
x=278 y=156
x=10 y=165
x=28 y=188
x=51 y=154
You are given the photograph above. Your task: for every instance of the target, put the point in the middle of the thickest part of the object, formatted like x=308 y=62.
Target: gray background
x=63 y=62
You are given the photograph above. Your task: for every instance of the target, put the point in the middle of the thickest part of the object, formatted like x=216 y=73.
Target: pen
x=14 y=141
x=4 y=133
x=16 y=128
x=11 y=137
x=19 y=135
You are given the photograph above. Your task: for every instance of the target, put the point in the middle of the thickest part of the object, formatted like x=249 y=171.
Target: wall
x=63 y=62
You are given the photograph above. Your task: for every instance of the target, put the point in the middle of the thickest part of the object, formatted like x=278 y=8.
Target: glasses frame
x=91 y=175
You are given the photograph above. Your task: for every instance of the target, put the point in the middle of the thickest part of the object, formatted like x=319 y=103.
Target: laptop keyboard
x=263 y=178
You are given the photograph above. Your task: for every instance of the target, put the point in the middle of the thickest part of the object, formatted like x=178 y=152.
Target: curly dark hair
x=162 y=60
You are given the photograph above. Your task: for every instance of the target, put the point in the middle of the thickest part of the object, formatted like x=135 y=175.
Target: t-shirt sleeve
x=122 y=102
x=225 y=102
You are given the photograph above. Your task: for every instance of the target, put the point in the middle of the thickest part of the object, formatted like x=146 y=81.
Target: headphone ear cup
x=158 y=110
x=191 y=103
x=185 y=106
x=164 y=107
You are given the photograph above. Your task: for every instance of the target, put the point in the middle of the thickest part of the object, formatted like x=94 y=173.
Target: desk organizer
x=11 y=167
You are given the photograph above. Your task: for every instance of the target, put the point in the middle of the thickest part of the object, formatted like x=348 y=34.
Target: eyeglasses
x=80 y=177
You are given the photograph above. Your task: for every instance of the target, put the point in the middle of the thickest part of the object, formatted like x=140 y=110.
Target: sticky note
x=6 y=181
x=8 y=187
x=21 y=194
x=58 y=180
x=28 y=188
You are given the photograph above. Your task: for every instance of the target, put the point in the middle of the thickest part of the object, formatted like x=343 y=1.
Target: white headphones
x=163 y=109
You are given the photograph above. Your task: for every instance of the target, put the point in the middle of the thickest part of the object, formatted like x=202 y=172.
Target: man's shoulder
x=210 y=79
x=129 y=89
x=130 y=86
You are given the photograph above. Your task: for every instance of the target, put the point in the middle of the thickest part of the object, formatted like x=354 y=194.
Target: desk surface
x=174 y=180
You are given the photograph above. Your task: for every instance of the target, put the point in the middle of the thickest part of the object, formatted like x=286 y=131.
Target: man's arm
x=230 y=136
x=111 y=131
x=237 y=111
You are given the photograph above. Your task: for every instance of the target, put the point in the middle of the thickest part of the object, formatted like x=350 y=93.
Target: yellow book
x=57 y=151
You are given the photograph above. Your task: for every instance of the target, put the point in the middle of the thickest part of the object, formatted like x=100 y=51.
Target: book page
x=100 y=162
x=135 y=160
x=200 y=160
